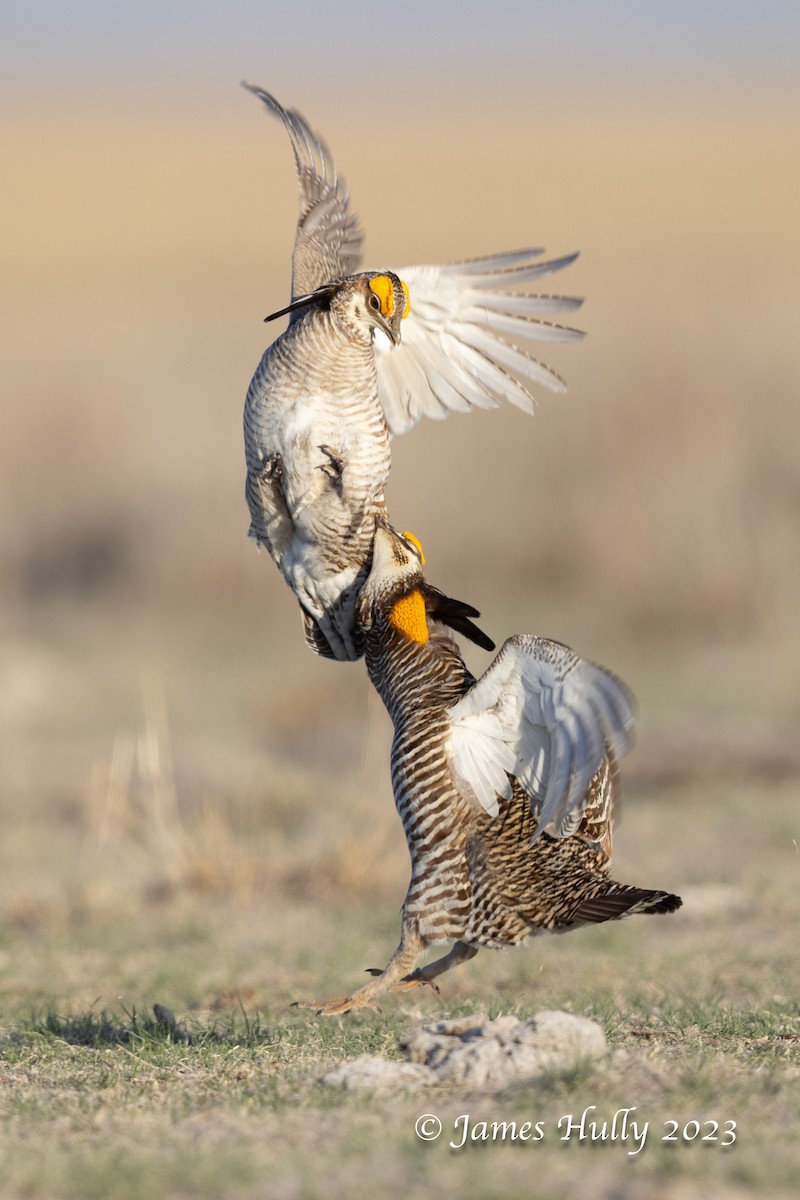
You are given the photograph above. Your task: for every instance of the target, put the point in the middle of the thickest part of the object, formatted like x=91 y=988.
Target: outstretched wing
x=328 y=241
x=545 y=716
x=454 y=355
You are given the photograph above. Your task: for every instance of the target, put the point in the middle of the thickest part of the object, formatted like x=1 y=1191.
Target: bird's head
x=396 y=595
x=374 y=300
x=393 y=592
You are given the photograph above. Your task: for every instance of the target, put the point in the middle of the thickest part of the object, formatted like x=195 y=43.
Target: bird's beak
x=382 y=548
x=394 y=303
x=393 y=330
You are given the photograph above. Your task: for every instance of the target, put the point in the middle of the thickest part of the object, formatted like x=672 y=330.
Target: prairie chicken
x=505 y=785
x=330 y=391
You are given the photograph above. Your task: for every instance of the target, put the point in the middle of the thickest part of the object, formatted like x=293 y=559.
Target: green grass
x=115 y=1106
x=101 y=1099
x=134 y=885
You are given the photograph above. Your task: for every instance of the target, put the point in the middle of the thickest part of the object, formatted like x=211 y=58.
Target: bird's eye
x=375 y=303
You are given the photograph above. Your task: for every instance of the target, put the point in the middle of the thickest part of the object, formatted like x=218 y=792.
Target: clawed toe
x=334 y=1008
x=273 y=468
x=417 y=978
x=414 y=979
x=394 y=976
x=334 y=467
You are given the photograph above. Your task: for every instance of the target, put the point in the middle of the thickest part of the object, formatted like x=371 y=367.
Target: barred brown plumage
x=482 y=873
x=328 y=393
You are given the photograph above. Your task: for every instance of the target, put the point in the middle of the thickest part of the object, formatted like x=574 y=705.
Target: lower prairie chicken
x=365 y=356
x=505 y=785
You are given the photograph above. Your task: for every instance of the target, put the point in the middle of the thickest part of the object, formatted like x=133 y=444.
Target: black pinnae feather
x=321 y=293
x=456 y=614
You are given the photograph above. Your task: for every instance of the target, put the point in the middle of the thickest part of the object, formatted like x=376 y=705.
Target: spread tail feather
x=621 y=900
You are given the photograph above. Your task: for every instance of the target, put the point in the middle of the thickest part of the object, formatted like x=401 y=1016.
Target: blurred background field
x=649 y=516
x=170 y=751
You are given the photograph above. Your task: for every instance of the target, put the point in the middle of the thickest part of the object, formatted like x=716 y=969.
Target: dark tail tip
x=622 y=900
x=664 y=902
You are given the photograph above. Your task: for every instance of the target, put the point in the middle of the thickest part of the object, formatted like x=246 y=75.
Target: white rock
x=484 y=1054
x=477 y=1054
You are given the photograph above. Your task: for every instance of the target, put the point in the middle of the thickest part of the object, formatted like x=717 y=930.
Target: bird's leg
x=461 y=952
x=334 y=467
x=398 y=967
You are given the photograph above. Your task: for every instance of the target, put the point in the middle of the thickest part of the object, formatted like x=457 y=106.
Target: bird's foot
x=335 y=1008
x=334 y=467
x=364 y=997
x=417 y=978
x=273 y=468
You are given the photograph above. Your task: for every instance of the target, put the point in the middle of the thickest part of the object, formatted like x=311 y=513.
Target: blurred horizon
x=649 y=516
x=615 y=43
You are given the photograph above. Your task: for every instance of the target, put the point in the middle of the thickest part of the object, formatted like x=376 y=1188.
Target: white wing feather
x=545 y=716
x=453 y=335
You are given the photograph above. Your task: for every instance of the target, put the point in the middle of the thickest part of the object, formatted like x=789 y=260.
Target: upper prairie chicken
x=331 y=390
x=505 y=785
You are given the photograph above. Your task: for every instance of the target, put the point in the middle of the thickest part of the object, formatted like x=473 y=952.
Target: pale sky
x=377 y=51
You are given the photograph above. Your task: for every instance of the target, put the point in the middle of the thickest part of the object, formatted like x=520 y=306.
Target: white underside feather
x=548 y=718
x=453 y=335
